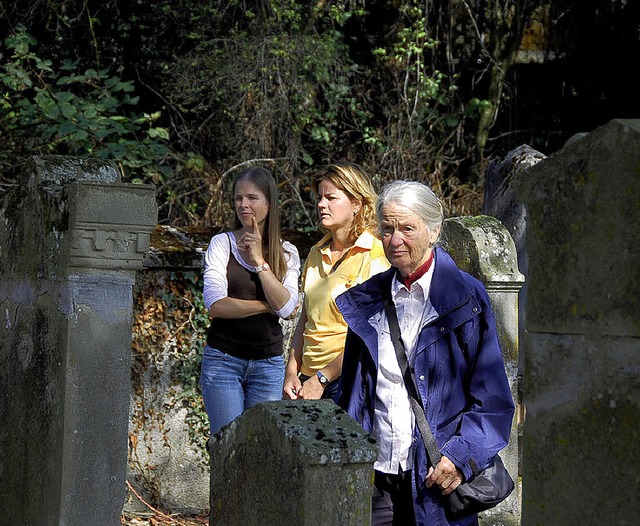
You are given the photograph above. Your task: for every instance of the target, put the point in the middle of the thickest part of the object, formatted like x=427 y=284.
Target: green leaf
x=68 y=110
x=68 y=65
x=194 y=162
x=159 y=133
x=101 y=133
x=64 y=96
x=51 y=111
x=67 y=128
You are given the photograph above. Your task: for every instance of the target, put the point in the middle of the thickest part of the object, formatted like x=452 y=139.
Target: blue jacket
x=459 y=372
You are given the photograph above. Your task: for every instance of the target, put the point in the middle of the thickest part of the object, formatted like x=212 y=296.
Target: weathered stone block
x=584 y=208
x=483 y=247
x=65 y=340
x=582 y=347
x=298 y=462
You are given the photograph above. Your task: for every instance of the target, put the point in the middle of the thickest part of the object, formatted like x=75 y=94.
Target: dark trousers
x=392 y=501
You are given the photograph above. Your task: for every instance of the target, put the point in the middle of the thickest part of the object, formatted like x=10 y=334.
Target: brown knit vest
x=251 y=338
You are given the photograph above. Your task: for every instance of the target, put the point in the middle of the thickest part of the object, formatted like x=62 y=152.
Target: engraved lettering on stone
x=99 y=240
x=110 y=241
x=144 y=242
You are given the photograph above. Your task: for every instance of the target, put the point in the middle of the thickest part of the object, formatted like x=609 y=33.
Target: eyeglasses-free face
x=406 y=239
x=250 y=202
x=335 y=208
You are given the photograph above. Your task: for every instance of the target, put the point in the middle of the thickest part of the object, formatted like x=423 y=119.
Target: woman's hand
x=311 y=389
x=445 y=475
x=251 y=243
x=292 y=383
x=291 y=387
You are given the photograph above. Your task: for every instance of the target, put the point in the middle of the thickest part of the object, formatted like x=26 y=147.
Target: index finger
x=256 y=230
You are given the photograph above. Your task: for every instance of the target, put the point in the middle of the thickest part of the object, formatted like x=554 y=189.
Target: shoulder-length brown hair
x=357 y=185
x=271 y=240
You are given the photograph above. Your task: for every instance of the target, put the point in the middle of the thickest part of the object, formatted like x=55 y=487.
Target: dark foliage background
x=182 y=93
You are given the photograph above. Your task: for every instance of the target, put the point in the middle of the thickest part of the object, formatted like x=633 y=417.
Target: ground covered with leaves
x=160 y=519
x=155 y=517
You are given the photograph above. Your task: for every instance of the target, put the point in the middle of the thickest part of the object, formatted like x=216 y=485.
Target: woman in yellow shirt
x=348 y=254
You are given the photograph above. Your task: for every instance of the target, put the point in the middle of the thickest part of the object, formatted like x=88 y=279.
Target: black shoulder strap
x=414 y=396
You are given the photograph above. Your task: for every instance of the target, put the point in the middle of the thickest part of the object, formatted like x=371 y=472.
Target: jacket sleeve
x=356 y=383
x=350 y=368
x=485 y=426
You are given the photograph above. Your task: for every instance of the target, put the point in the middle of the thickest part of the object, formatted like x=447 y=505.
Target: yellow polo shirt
x=322 y=282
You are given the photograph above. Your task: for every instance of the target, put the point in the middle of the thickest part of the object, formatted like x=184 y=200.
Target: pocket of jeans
x=212 y=353
x=212 y=364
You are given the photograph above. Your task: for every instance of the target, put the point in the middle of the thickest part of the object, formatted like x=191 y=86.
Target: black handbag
x=486 y=488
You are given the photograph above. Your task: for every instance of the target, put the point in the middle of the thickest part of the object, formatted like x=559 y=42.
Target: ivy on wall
x=169 y=331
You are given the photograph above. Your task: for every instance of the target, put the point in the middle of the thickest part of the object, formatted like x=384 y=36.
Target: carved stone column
x=74 y=237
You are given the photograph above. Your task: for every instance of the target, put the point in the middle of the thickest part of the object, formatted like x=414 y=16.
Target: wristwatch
x=324 y=381
x=264 y=266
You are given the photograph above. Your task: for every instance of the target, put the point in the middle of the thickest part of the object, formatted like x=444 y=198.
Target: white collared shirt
x=393 y=417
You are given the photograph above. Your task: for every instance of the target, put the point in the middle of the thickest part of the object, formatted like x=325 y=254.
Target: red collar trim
x=421 y=271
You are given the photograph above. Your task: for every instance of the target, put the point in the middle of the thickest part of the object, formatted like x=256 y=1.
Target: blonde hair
x=356 y=184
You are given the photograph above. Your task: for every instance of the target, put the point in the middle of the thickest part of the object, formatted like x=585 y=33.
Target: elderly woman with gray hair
x=446 y=335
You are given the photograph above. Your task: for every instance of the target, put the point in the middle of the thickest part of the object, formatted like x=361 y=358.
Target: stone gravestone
x=292 y=462
x=500 y=201
x=71 y=238
x=582 y=348
x=483 y=247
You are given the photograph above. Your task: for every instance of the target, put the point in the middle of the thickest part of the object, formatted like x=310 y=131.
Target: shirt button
x=421 y=378
x=475 y=309
x=441 y=329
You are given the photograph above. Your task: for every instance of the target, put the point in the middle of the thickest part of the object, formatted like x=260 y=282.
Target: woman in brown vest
x=250 y=280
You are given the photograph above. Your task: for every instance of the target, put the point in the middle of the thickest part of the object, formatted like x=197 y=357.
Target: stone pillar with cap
x=483 y=247
x=72 y=236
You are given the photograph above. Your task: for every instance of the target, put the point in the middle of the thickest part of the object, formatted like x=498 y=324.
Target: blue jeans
x=230 y=385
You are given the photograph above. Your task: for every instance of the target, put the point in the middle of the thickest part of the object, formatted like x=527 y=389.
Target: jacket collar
x=448 y=290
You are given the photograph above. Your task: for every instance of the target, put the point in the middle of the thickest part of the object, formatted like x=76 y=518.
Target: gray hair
x=415 y=196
